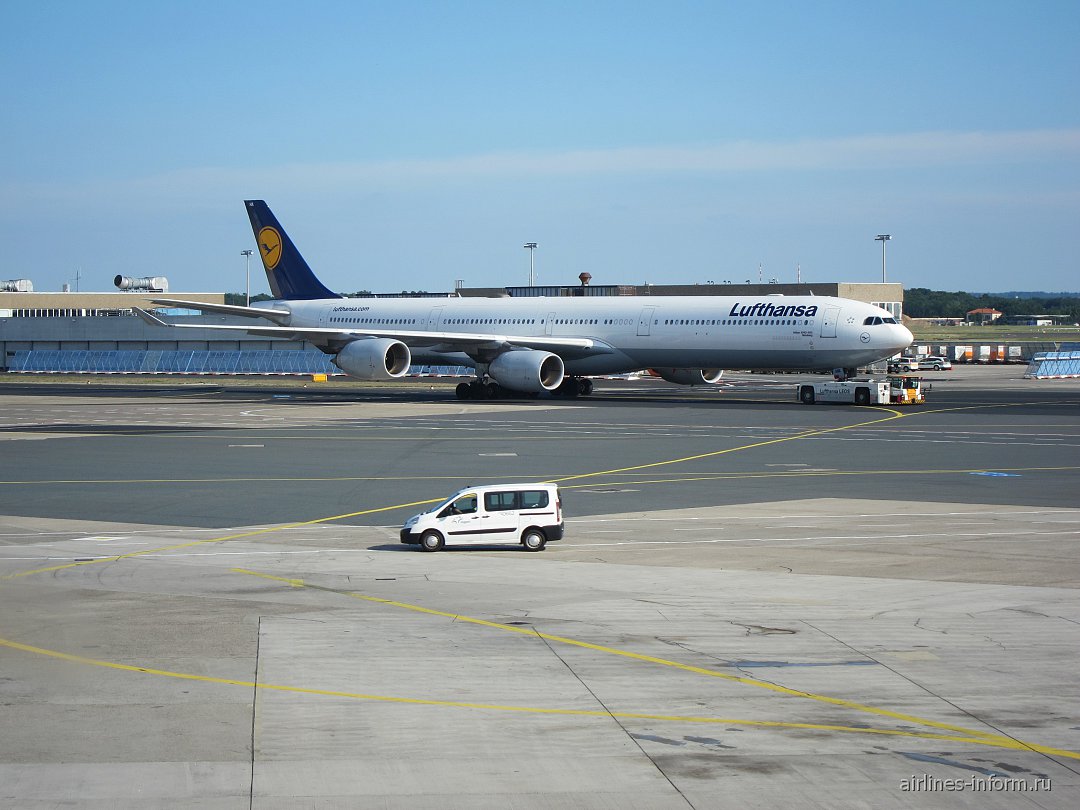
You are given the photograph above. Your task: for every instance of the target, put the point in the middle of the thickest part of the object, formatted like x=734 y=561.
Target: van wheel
x=533 y=540
x=862 y=396
x=806 y=395
x=431 y=541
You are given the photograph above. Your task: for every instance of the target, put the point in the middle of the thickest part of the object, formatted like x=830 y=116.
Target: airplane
x=528 y=346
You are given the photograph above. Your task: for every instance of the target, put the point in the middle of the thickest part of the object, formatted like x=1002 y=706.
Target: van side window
x=534 y=499
x=500 y=501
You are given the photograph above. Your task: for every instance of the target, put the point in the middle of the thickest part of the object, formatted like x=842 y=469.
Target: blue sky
x=404 y=145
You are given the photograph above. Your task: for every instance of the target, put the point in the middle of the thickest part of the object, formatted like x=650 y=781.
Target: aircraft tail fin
x=289 y=275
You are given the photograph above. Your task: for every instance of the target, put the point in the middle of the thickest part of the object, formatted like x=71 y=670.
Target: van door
x=460 y=521
x=500 y=517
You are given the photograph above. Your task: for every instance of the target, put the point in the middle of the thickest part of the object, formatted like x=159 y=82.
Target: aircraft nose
x=904 y=338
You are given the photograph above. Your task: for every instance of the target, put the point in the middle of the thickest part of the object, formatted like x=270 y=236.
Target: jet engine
x=690 y=376
x=374 y=359
x=529 y=371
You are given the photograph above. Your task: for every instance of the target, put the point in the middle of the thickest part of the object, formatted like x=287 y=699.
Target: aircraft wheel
x=584 y=387
x=431 y=541
x=464 y=391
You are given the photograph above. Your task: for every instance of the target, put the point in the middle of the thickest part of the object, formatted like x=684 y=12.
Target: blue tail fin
x=289 y=275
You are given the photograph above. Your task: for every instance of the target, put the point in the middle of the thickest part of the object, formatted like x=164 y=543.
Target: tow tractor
x=893 y=390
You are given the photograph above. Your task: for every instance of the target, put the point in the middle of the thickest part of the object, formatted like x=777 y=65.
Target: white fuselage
x=634 y=332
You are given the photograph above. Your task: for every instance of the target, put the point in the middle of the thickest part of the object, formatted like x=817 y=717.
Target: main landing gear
x=489 y=389
x=574 y=387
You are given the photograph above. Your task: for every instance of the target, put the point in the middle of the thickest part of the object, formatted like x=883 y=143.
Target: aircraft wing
x=276 y=315
x=446 y=342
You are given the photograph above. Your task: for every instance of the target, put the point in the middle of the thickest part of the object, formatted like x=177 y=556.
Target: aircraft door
x=644 y=324
x=433 y=319
x=549 y=323
x=828 y=322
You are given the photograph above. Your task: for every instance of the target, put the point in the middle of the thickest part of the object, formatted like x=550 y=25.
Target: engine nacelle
x=690 y=376
x=529 y=370
x=374 y=359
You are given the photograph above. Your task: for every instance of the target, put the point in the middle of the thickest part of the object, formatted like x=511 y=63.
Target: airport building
x=88 y=332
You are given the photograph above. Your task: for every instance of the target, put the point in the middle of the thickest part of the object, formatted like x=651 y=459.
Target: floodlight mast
x=531 y=247
x=883 y=238
x=247 y=274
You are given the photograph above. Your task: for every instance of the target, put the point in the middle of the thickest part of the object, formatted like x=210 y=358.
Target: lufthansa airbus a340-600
x=522 y=346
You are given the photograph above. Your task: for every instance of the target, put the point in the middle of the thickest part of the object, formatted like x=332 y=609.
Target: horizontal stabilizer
x=150 y=318
x=275 y=315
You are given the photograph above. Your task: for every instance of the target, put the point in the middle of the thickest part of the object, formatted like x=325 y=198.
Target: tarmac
x=204 y=603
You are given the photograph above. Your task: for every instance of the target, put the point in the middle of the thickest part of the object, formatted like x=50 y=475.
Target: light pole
x=247 y=273
x=531 y=247
x=883 y=238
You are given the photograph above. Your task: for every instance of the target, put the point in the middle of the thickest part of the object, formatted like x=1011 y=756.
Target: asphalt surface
x=756 y=602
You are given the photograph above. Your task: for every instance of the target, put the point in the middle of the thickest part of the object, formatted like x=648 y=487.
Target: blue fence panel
x=187 y=361
x=1045 y=365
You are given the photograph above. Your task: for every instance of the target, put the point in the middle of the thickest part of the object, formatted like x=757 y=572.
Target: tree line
x=920 y=302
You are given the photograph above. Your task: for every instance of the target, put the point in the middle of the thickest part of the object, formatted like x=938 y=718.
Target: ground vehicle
x=896 y=390
x=898 y=365
x=935 y=364
x=529 y=514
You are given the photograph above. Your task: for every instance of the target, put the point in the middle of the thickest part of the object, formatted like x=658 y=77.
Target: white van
x=529 y=514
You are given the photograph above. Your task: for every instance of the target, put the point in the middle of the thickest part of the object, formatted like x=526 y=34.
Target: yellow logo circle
x=270 y=247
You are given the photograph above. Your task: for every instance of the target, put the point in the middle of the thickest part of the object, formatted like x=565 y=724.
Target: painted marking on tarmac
x=861 y=538
x=990 y=738
x=975 y=512
x=806 y=434
x=156 y=556
x=981 y=738
x=237 y=536
x=691 y=477
x=686 y=478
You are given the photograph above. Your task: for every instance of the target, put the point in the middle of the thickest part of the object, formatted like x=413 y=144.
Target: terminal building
x=97 y=332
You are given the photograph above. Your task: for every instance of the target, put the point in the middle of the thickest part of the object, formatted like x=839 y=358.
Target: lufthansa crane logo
x=270 y=247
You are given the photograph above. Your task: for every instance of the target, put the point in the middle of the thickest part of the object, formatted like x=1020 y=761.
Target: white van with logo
x=525 y=514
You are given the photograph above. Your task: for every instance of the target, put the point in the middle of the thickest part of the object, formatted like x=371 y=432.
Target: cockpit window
x=873 y=321
x=889 y=320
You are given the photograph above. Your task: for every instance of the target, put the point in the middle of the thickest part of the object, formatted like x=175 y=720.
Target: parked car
x=935 y=364
x=900 y=365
